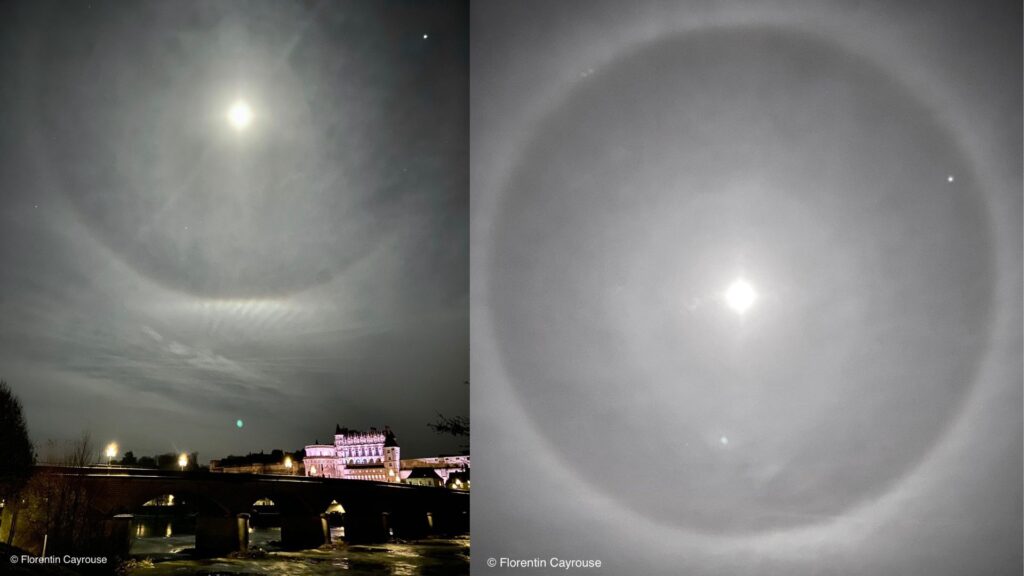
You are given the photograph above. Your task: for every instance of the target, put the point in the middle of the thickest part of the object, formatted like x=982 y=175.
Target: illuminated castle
x=370 y=455
x=375 y=455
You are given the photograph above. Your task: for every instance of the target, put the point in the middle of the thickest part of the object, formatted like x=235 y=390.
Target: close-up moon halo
x=630 y=197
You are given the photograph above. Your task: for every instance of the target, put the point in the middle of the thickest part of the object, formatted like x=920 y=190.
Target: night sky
x=165 y=272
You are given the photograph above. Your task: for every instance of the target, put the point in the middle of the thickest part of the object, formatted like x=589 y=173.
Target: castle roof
x=424 y=473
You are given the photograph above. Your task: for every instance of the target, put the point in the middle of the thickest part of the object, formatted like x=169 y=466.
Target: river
x=167 y=553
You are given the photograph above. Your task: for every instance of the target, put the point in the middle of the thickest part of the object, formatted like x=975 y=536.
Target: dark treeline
x=166 y=461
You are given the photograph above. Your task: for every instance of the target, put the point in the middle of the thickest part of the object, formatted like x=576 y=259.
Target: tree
x=129 y=459
x=167 y=461
x=16 y=453
x=61 y=506
x=454 y=425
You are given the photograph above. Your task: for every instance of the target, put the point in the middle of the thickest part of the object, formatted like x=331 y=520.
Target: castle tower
x=339 y=450
x=392 y=456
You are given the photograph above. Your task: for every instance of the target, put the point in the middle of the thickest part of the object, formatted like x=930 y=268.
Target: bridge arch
x=159 y=496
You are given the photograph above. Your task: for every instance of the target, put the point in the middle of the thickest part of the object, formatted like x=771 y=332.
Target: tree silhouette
x=454 y=425
x=16 y=453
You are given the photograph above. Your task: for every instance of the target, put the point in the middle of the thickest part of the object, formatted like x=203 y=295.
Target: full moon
x=740 y=296
x=240 y=115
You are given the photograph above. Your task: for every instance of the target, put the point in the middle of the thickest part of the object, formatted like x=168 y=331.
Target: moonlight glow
x=740 y=296
x=240 y=115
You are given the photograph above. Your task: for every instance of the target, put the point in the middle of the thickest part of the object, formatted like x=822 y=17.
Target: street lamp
x=111 y=453
x=288 y=463
x=183 y=461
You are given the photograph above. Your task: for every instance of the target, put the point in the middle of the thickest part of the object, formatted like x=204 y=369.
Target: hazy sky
x=165 y=274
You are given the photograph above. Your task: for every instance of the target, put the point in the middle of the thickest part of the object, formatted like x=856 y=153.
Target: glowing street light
x=288 y=463
x=183 y=461
x=111 y=453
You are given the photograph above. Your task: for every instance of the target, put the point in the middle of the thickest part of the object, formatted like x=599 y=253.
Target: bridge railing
x=102 y=471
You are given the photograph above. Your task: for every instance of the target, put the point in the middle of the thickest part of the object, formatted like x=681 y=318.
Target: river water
x=165 y=553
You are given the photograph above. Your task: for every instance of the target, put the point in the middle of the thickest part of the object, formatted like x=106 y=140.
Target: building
x=375 y=455
x=277 y=462
x=424 y=477
x=443 y=466
x=370 y=455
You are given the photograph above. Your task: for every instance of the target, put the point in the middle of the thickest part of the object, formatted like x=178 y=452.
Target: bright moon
x=740 y=296
x=240 y=115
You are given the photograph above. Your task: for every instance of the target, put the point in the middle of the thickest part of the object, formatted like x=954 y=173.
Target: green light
x=239 y=423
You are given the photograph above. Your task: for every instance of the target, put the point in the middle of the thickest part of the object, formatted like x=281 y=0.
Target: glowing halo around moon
x=626 y=327
x=740 y=296
x=240 y=115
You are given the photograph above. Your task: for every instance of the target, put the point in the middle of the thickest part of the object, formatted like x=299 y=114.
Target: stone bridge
x=373 y=511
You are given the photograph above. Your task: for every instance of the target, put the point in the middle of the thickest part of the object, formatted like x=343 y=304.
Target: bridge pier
x=410 y=524
x=366 y=526
x=216 y=535
x=450 y=522
x=300 y=532
x=117 y=535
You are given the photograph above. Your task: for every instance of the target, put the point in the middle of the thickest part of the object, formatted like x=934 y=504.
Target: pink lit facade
x=373 y=455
